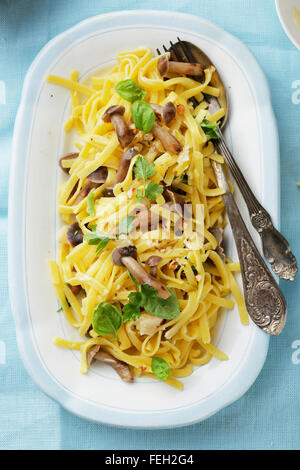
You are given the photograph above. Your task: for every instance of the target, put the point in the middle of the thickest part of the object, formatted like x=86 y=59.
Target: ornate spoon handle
x=264 y=300
x=276 y=248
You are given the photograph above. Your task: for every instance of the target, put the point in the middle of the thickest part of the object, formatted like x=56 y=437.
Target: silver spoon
x=276 y=248
x=264 y=300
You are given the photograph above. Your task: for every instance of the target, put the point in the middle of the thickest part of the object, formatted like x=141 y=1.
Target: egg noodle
x=201 y=278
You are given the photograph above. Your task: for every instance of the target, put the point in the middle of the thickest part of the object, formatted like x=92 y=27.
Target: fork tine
x=189 y=55
x=180 y=56
x=176 y=52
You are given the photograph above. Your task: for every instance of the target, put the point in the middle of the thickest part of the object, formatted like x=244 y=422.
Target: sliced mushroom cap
x=123 y=369
x=165 y=113
x=164 y=66
x=117 y=109
x=218 y=232
x=98 y=176
x=118 y=253
x=85 y=191
x=74 y=234
x=75 y=289
x=169 y=142
x=114 y=114
x=69 y=156
x=153 y=262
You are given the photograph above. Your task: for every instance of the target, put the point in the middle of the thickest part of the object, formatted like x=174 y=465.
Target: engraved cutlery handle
x=264 y=300
x=276 y=248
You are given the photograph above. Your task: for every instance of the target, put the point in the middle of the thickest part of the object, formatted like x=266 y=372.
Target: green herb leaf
x=130 y=91
x=60 y=309
x=160 y=368
x=131 y=312
x=139 y=196
x=153 y=190
x=142 y=169
x=107 y=320
x=143 y=115
x=91 y=204
x=164 y=308
x=184 y=178
x=95 y=237
x=126 y=225
x=148 y=299
x=210 y=128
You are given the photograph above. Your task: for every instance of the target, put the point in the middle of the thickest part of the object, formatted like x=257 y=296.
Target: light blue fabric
x=268 y=415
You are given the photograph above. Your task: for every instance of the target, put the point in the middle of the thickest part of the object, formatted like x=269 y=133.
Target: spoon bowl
x=194 y=54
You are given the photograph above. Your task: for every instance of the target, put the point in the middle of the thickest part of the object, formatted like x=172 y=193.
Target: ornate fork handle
x=276 y=248
x=264 y=300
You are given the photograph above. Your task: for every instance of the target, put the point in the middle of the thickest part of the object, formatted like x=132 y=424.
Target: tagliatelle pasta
x=190 y=264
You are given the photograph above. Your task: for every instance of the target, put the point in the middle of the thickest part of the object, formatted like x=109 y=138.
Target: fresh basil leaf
x=160 y=368
x=153 y=190
x=210 y=128
x=130 y=91
x=142 y=169
x=164 y=308
x=95 y=237
x=131 y=312
x=136 y=298
x=107 y=320
x=148 y=299
x=91 y=204
x=143 y=115
x=125 y=225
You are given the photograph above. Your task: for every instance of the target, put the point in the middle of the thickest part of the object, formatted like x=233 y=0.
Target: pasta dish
x=141 y=271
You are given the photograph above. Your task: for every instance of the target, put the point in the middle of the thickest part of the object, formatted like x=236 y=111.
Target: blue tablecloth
x=268 y=415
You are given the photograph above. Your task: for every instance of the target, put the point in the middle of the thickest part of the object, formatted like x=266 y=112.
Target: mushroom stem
x=125 y=135
x=141 y=275
x=114 y=114
x=120 y=367
x=186 y=68
x=169 y=142
x=122 y=170
x=164 y=66
x=85 y=191
x=69 y=156
x=125 y=164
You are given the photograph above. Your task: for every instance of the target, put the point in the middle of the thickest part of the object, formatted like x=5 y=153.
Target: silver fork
x=275 y=247
x=263 y=298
